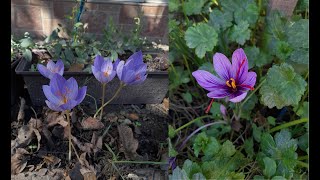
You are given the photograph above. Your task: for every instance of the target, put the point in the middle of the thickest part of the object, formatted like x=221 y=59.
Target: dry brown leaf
x=88 y=171
x=166 y=103
x=76 y=67
x=86 y=147
x=42 y=172
x=51 y=117
x=19 y=161
x=35 y=123
x=51 y=160
x=92 y=124
x=236 y=125
x=21 y=109
x=25 y=135
x=38 y=137
x=133 y=116
x=96 y=142
x=130 y=144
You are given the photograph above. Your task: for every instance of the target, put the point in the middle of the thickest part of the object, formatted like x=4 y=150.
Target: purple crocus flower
x=133 y=71
x=63 y=94
x=51 y=68
x=103 y=70
x=234 y=79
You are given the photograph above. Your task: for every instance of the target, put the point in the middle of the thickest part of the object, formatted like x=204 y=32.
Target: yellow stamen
x=106 y=74
x=231 y=84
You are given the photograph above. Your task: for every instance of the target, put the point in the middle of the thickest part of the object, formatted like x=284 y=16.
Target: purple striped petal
x=218 y=93
x=239 y=97
x=60 y=67
x=222 y=66
x=128 y=76
x=44 y=71
x=69 y=105
x=98 y=62
x=81 y=94
x=51 y=65
x=115 y=64
x=141 y=79
x=207 y=80
x=56 y=84
x=107 y=66
x=71 y=88
x=239 y=65
x=120 y=69
x=250 y=79
x=53 y=106
x=136 y=58
x=50 y=96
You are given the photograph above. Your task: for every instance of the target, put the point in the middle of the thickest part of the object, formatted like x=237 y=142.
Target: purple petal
x=239 y=65
x=222 y=66
x=250 y=80
x=57 y=83
x=115 y=64
x=111 y=76
x=69 y=105
x=218 y=93
x=136 y=58
x=51 y=65
x=223 y=110
x=107 y=66
x=50 y=96
x=119 y=69
x=53 y=106
x=60 y=67
x=71 y=88
x=207 y=80
x=239 y=97
x=44 y=71
x=98 y=62
x=139 y=81
x=99 y=76
x=128 y=76
x=81 y=94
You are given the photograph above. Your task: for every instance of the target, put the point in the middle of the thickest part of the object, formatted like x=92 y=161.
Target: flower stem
x=288 y=124
x=102 y=100
x=69 y=134
x=191 y=122
x=115 y=95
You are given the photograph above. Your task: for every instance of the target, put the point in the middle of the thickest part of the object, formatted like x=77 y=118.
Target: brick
x=286 y=6
x=128 y=13
x=109 y=7
x=154 y=25
x=96 y=21
x=46 y=3
x=91 y=6
x=62 y=9
x=28 y=17
x=50 y=24
x=20 y=2
x=47 y=13
x=155 y=10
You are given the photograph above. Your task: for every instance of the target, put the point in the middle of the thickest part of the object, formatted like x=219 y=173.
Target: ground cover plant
x=238 y=90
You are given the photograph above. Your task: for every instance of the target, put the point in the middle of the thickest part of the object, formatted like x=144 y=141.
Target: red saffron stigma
x=240 y=67
x=247 y=86
x=209 y=107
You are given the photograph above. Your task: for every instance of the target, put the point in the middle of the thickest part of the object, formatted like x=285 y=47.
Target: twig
x=21 y=110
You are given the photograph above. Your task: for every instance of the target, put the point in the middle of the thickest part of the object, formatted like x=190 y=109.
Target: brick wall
x=40 y=17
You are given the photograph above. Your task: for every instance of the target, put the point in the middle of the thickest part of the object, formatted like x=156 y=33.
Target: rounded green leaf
x=201 y=37
x=270 y=167
x=283 y=87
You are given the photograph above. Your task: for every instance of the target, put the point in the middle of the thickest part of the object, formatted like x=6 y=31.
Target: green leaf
x=26 y=42
x=303 y=111
x=300 y=56
x=271 y=120
x=230 y=5
x=191 y=168
x=240 y=32
x=200 y=143
x=171 y=131
x=256 y=131
x=278 y=178
x=178 y=174
x=248 y=107
x=283 y=87
x=207 y=66
x=247 y=12
x=248 y=147
x=227 y=149
x=268 y=146
x=198 y=176
x=27 y=54
x=256 y=57
x=187 y=97
x=298 y=33
x=174 y=5
x=172 y=151
x=202 y=37
x=193 y=7
x=257 y=177
x=270 y=167
x=69 y=56
x=215 y=109
x=220 y=20
x=283 y=50
x=212 y=148
x=303 y=142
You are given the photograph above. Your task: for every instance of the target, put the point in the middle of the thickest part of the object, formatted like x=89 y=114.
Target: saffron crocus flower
x=63 y=94
x=234 y=80
x=133 y=71
x=51 y=68
x=103 y=70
